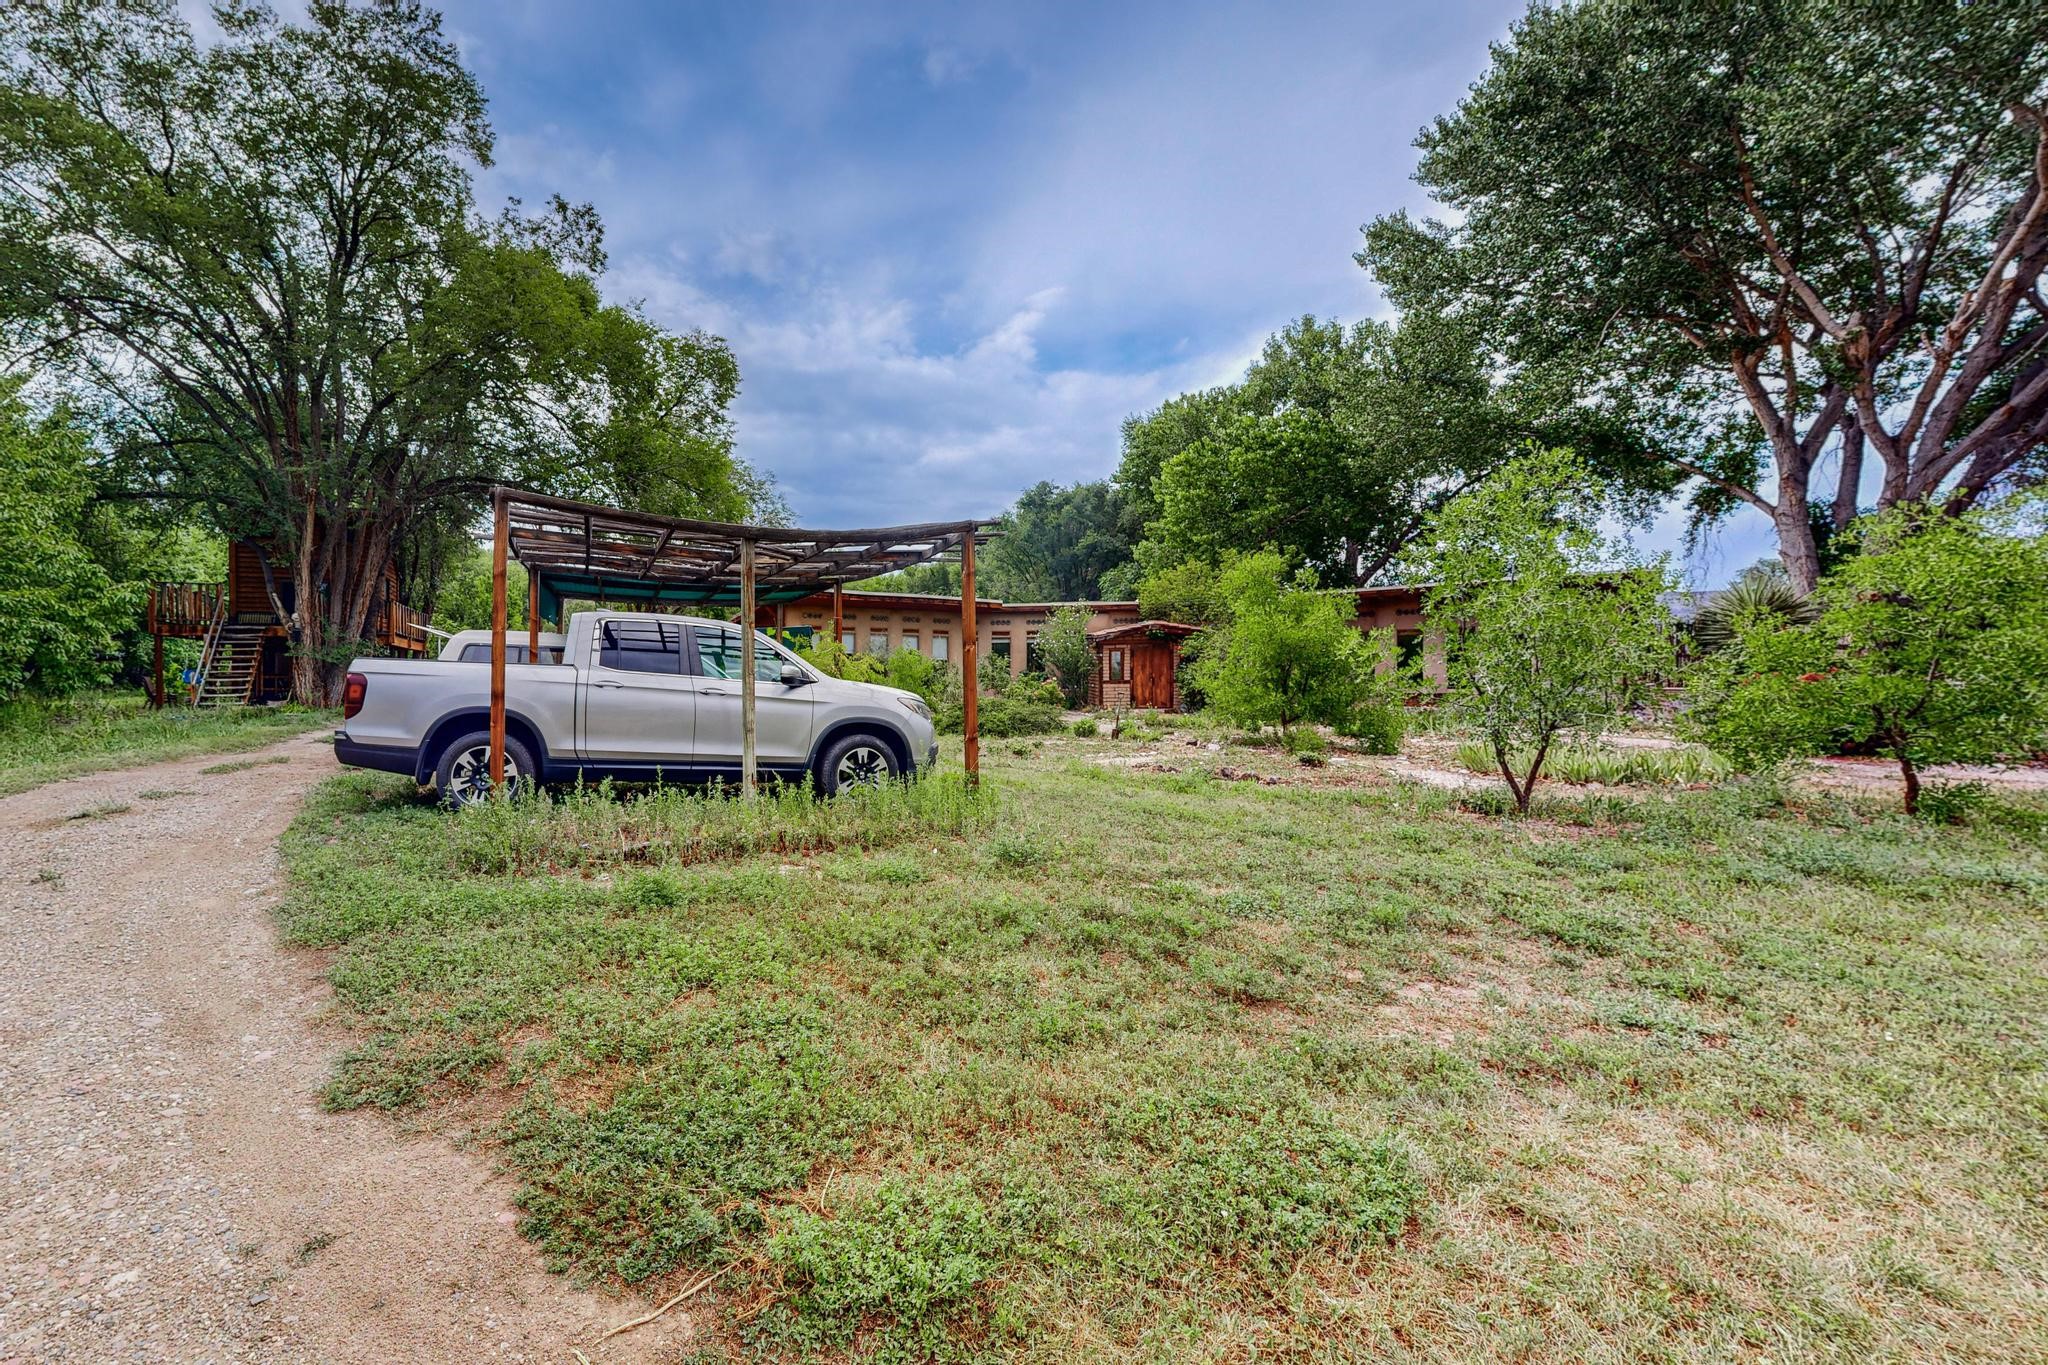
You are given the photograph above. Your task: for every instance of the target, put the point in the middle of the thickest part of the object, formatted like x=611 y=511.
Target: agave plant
x=1756 y=595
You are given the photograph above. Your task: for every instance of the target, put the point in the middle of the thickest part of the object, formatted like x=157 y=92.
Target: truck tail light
x=352 y=695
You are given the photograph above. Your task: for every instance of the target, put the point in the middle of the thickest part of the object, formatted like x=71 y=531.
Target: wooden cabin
x=245 y=626
x=1137 y=666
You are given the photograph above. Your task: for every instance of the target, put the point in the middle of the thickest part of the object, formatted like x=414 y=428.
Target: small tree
x=1063 y=649
x=1932 y=644
x=1550 y=625
x=1289 y=653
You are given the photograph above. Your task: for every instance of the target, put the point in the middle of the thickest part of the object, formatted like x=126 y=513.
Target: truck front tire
x=463 y=776
x=856 y=760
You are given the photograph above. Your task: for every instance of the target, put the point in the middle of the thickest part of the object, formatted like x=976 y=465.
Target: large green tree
x=1057 y=543
x=1340 y=441
x=1791 y=226
x=260 y=259
x=64 y=612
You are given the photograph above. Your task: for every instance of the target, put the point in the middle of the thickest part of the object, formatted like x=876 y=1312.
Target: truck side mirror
x=792 y=676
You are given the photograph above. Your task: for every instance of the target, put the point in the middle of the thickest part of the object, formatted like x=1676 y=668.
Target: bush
x=1290 y=653
x=1930 y=646
x=831 y=658
x=1304 y=743
x=1377 y=727
x=915 y=672
x=1001 y=717
x=1084 y=729
x=1063 y=645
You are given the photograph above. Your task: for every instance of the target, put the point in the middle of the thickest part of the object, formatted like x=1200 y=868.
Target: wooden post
x=161 y=700
x=532 y=615
x=501 y=535
x=746 y=668
x=970 y=664
x=838 y=614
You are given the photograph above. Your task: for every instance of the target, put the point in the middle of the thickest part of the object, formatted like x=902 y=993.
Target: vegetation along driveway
x=170 y=1188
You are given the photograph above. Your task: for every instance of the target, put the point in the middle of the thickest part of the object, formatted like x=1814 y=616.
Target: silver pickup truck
x=636 y=697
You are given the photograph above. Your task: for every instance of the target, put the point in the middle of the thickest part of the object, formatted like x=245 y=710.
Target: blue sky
x=954 y=245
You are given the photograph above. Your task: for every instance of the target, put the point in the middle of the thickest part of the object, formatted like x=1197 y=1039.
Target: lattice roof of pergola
x=582 y=550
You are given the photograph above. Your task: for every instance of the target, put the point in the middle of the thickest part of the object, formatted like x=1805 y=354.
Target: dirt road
x=170 y=1189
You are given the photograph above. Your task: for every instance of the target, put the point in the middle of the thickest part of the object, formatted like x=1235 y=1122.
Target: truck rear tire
x=856 y=760
x=463 y=776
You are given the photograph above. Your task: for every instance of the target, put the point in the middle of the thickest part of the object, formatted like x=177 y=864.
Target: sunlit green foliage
x=1551 y=626
x=1931 y=644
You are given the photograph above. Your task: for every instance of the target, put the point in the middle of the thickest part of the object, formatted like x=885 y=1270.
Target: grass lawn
x=1127 y=1063
x=46 y=741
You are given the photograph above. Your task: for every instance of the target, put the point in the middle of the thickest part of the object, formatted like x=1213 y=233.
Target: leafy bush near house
x=1289 y=654
x=834 y=660
x=1084 y=729
x=915 y=672
x=1376 y=726
x=1063 y=645
x=1931 y=643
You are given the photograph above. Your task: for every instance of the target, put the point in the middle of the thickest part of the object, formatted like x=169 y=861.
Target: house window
x=1032 y=662
x=878 y=643
x=999 y=648
x=1116 y=665
x=910 y=642
x=942 y=647
x=846 y=640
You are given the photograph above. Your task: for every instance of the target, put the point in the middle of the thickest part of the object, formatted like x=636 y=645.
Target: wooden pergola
x=583 y=550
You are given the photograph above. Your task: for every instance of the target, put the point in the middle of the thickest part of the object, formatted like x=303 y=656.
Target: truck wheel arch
x=880 y=729
x=458 y=723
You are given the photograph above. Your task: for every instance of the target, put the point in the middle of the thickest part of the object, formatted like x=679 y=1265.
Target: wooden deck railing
x=400 y=628
x=183 y=609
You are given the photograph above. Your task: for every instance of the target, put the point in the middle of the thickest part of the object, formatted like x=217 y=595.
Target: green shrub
x=1003 y=718
x=1304 y=743
x=902 y=1268
x=1084 y=729
x=915 y=672
x=1377 y=727
x=1290 y=654
x=1953 y=803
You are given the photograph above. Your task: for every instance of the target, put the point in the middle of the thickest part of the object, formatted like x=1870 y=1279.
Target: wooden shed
x=1138 y=666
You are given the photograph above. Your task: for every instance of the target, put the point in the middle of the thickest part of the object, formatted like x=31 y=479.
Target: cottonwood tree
x=1931 y=644
x=1551 y=626
x=261 y=260
x=1341 y=440
x=1793 y=226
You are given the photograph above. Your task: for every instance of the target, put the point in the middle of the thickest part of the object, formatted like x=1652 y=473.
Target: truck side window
x=641 y=646
x=515 y=654
x=718 y=656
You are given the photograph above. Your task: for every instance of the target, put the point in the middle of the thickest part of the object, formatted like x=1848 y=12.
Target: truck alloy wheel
x=464 y=774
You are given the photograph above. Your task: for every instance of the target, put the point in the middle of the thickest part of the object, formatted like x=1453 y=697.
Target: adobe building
x=1136 y=663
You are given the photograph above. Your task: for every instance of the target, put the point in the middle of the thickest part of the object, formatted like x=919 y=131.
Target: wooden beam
x=500 y=533
x=746 y=668
x=970 y=664
x=838 y=613
x=159 y=637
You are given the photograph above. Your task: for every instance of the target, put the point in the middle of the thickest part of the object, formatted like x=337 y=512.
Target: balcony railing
x=184 y=609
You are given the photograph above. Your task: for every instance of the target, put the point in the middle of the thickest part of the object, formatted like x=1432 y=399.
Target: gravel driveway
x=169 y=1186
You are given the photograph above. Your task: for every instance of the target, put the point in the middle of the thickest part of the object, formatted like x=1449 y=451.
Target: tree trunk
x=1850 y=479
x=1795 y=539
x=1911 y=775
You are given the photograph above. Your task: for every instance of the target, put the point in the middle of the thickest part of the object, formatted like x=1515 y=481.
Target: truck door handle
x=713 y=692
x=607 y=684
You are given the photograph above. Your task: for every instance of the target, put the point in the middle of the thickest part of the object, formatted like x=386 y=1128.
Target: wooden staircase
x=229 y=670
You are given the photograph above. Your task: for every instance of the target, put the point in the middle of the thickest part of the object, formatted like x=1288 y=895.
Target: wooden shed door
x=1152 y=676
